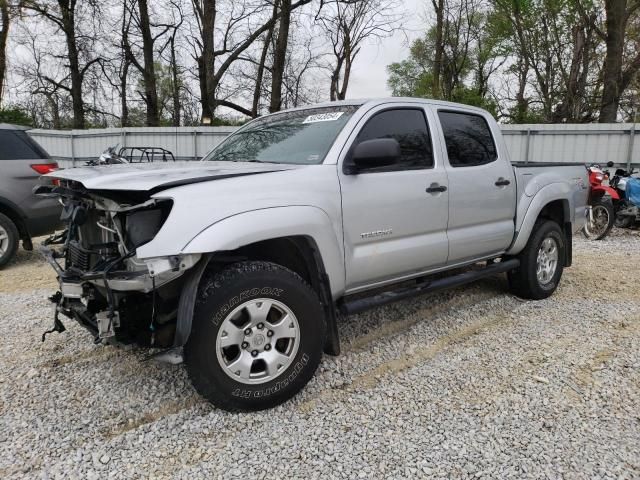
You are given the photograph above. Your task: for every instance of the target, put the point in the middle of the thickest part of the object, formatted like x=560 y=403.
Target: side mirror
x=378 y=152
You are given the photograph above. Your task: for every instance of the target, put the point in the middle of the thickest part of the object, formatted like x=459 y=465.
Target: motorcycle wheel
x=601 y=220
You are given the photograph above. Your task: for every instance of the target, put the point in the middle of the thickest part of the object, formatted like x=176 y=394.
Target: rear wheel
x=257 y=337
x=8 y=240
x=600 y=221
x=541 y=262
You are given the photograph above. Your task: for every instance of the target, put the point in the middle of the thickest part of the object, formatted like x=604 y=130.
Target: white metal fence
x=75 y=147
x=584 y=143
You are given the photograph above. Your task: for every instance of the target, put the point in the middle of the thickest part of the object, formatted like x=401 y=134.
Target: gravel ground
x=469 y=383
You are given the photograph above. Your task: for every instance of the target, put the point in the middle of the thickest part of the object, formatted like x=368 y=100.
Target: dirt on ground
x=27 y=271
x=468 y=383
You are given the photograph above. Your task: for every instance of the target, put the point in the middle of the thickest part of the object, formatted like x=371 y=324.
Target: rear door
x=393 y=227
x=482 y=188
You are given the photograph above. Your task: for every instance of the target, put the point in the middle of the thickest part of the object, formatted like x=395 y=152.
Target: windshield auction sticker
x=323 y=117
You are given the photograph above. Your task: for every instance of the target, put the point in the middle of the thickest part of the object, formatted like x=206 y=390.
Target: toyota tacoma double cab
x=241 y=264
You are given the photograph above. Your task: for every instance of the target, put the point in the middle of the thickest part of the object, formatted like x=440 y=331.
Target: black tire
x=524 y=281
x=602 y=208
x=222 y=292
x=13 y=239
x=624 y=222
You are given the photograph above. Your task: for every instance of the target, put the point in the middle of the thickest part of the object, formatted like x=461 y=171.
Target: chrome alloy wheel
x=258 y=341
x=4 y=241
x=547 y=261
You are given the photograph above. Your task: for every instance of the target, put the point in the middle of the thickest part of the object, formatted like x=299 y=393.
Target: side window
x=409 y=128
x=468 y=139
x=16 y=145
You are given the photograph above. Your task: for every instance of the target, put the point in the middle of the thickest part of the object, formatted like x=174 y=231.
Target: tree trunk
x=439 y=48
x=124 y=107
x=208 y=56
x=148 y=73
x=4 y=35
x=280 y=56
x=202 y=83
x=348 y=63
x=175 y=80
x=257 y=91
x=67 y=10
x=55 y=112
x=335 y=79
x=521 y=102
x=616 y=20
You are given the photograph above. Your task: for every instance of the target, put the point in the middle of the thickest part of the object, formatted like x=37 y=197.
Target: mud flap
x=187 y=303
x=568 y=251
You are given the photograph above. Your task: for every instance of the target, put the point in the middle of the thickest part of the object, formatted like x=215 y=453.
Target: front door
x=393 y=226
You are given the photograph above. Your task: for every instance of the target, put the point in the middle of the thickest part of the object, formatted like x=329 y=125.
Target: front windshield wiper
x=253 y=160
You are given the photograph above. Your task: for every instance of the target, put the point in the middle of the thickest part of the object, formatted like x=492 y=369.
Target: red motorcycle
x=602 y=215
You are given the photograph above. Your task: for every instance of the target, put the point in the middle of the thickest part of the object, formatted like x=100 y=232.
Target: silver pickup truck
x=241 y=264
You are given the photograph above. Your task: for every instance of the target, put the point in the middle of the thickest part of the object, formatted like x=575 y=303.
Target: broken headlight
x=141 y=226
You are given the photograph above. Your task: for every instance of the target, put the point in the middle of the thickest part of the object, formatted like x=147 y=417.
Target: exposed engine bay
x=117 y=296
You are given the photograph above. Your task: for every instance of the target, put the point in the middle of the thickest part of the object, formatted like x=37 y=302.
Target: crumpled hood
x=159 y=176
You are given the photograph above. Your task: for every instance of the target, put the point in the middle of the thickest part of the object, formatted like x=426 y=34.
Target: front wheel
x=541 y=262
x=600 y=221
x=257 y=337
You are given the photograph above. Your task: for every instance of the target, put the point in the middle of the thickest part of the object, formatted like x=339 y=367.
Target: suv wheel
x=257 y=337
x=541 y=262
x=8 y=240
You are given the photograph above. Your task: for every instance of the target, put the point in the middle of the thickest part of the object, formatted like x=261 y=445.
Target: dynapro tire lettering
x=295 y=370
x=254 y=292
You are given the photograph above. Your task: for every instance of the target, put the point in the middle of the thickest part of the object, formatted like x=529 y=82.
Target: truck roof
x=8 y=126
x=382 y=100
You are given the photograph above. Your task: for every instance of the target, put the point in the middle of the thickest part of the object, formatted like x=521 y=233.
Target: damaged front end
x=104 y=285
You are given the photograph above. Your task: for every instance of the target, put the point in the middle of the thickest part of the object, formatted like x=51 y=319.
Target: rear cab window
x=468 y=139
x=17 y=145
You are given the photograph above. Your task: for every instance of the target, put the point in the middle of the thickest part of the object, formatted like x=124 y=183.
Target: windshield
x=301 y=137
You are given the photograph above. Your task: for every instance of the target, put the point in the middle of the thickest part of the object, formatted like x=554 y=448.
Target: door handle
x=435 y=188
x=502 y=182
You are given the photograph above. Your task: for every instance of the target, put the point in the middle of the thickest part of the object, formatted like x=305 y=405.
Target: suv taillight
x=43 y=168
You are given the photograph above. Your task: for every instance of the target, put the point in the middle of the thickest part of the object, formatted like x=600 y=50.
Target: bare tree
x=261 y=67
x=116 y=67
x=4 y=36
x=239 y=28
x=145 y=40
x=48 y=102
x=280 y=54
x=348 y=24
x=81 y=55
x=175 y=70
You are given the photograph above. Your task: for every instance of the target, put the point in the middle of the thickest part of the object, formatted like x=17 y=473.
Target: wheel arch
x=315 y=255
x=263 y=231
x=552 y=202
x=14 y=213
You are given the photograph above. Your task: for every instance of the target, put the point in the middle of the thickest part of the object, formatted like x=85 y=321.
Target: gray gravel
x=469 y=383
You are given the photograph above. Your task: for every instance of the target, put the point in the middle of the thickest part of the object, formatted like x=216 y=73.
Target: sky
x=369 y=74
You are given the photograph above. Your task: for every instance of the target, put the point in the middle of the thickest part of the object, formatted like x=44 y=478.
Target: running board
x=361 y=304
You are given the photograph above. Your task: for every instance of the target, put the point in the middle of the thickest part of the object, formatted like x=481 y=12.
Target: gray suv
x=22 y=214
